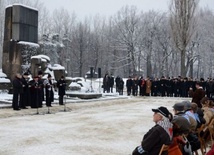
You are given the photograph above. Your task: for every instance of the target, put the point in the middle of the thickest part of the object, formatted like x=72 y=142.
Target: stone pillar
x=21 y=24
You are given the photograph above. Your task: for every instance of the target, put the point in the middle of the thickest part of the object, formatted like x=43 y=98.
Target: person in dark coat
x=158 y=135
x=61 y=85
x=120 y=86
x=17 y=90
x=106 y=83
x=129 y=85
x=34 y=92
x=198 y=94
x=155 y=87
x=163 y=86
x=117 y=80
x=111 y=83
x=41 y=88
x=49 y=91
x=24 y=97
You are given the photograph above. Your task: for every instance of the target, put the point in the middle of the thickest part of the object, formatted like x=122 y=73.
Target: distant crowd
x=171 y=87
x=32 y=92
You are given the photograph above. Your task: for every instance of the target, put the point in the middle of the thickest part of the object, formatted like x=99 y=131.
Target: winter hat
x=26 y=73
x=40 y=73
x=187 y=105
x=162 y=110
x=179 y=106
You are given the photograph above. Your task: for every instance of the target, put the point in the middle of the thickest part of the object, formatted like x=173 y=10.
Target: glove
x=187 y=146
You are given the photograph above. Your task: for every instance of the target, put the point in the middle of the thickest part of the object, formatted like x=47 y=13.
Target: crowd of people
x=32 y=92
x=182 y=131
x=171 y=87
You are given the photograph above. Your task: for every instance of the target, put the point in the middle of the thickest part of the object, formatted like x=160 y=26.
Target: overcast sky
x=84 y=8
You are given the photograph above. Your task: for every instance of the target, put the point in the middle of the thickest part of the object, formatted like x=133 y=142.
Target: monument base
x=84 y=95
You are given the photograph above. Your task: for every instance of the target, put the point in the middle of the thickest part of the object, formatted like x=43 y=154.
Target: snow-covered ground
x=107 y=127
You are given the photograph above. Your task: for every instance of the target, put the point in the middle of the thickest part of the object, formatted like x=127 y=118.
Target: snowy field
x=107 y=127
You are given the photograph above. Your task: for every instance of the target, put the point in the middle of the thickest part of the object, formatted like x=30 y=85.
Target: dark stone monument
x=20 y=39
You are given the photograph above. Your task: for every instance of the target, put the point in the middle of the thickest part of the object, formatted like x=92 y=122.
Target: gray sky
x=84 y=8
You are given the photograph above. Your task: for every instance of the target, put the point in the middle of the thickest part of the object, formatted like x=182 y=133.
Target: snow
x=28 y=43
x=110 y=125
x=19 y=4
x=57 y=67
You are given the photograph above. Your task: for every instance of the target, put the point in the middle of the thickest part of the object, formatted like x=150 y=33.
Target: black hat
x=62 y=77
x=40 y=73
x=163 y=110
x=179 y=106
x=26 y=73
x=49 y=76
x=36 y=76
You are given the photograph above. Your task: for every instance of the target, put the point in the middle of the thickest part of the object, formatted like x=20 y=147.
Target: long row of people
x=33 y=92
x=183 y=133
x=172 y=87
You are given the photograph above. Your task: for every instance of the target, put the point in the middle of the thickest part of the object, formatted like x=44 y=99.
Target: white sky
x=84 y=8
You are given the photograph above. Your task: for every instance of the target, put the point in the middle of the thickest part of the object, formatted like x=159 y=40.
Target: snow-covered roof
x=44 y=57
x=2 y=75
x=57 y=67
x=28 y=43
x=25 y=6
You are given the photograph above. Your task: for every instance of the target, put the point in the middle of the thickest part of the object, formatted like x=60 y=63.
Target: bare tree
x=80 y=52
x=126 y=25
x=183 y=26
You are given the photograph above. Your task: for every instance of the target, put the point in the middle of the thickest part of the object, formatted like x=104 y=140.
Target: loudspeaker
x=99 y=72
x=91 y=71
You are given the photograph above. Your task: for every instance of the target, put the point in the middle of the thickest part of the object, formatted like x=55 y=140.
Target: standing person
x=61 y=84
x=155 y=87
x=120 y=86
x=198 y=94
x=111 y=83
x=158 y=135
x=129 y=83
x=41 y=88
x=24 y=97
x=163 y=86
x=106 y=87
x=49 y=91
x=117 y=80
x=148 y=86
x=34 y=92
x=135 y=82
x=17 y=90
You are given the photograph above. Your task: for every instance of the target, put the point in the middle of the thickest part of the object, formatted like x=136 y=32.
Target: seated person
x=181 y=126
x=208 y=112
x=189 y=111
x=199 y=115
x=158 y=135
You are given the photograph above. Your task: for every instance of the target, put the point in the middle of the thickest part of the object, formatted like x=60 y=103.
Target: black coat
x=61 y=85
x=153 y=141
x=17 y=86
x=35 y=98
x=49 y=92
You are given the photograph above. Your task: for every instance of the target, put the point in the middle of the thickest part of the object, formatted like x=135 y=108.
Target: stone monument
x=20 y=39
